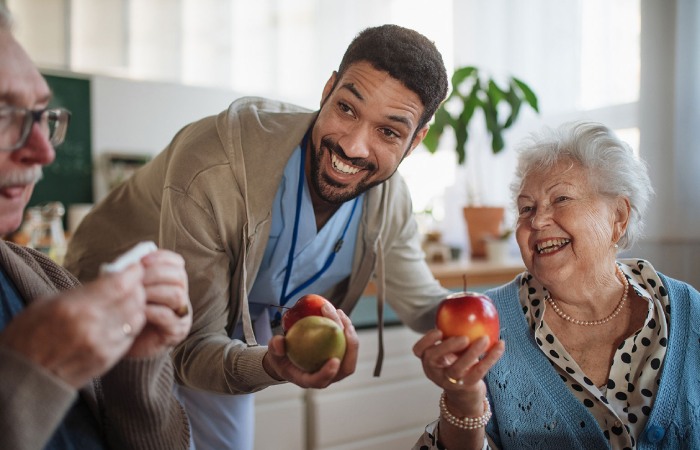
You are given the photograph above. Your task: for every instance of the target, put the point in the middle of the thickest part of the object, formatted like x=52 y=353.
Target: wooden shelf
x=477 y=272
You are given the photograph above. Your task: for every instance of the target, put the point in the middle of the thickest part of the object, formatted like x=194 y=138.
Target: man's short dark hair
x=407 y=56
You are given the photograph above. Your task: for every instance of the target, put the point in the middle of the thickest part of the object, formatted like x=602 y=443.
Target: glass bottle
x=28 y=234
x=52 y=239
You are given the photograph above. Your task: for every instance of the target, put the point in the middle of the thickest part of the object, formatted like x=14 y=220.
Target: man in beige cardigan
x=56 y=336
x=268 y=201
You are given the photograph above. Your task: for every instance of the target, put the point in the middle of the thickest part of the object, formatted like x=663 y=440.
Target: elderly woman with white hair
x=596 y=351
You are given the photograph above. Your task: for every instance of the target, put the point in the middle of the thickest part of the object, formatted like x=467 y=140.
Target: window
x=581 y=58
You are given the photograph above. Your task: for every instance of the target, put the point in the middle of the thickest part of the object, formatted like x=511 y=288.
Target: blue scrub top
x=312 y=249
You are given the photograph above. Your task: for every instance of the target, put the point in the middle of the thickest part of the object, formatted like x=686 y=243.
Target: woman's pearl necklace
x=586 y=323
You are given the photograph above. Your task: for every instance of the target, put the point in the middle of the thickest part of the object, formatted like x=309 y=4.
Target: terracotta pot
x=482 y=222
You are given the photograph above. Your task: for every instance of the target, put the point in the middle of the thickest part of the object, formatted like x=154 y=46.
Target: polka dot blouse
x=622 y=406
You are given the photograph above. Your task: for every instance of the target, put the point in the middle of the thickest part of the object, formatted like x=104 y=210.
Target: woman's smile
x=551 y=245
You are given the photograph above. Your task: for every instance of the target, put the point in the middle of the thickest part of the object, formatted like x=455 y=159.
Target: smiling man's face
x=366 y=126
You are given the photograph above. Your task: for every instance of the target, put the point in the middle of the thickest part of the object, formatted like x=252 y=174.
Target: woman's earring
x=616 y=246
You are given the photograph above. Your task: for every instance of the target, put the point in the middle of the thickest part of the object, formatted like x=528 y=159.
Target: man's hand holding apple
x=279 y=366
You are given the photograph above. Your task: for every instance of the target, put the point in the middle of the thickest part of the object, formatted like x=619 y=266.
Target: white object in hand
x=132 y=256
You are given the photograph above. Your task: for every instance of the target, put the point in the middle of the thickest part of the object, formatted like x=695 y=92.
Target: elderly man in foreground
x=55 y=336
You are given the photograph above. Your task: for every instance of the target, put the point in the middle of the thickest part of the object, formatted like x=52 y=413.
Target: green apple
x=312 y=341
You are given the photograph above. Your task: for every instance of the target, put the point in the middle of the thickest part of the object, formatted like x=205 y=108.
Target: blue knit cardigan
x=533 y=408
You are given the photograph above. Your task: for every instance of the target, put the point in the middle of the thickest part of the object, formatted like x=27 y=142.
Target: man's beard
x=328 y=189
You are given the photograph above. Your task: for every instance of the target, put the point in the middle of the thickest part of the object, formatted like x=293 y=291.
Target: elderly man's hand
x=81 y=333
x=280 y=367
x=168 y=309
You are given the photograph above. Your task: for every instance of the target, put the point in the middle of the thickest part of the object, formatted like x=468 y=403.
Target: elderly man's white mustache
x=21 y=177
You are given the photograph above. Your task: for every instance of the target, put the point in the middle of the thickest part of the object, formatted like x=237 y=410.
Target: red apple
x=307 y=305
x=312 y=341
x=468 y=314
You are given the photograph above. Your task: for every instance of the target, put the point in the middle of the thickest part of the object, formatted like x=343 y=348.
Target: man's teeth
x=551 y=245
x=340 y=166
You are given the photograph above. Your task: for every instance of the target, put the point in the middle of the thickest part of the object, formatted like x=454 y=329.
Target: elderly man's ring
x=182 y=311
x=453 y=381
x=126 y=329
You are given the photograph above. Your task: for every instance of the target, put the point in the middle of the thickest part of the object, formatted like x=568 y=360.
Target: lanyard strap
x=300 y=190
x=284 y=297
x=329 y=261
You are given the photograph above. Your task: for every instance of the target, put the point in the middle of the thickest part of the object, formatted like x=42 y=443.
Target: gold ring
x=453 y=381
x=126 y=329
x=182 y=311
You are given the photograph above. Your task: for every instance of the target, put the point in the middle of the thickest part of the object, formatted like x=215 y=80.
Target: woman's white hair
x=611 y=165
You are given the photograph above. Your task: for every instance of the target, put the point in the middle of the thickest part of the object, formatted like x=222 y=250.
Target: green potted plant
x=471 y=92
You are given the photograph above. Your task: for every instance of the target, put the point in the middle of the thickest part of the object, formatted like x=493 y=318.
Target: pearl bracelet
x=465 y=423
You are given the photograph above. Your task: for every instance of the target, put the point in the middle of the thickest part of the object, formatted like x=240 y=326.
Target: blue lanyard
x=284 y=297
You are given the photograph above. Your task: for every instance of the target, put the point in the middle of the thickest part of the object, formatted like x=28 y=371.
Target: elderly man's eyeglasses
x=16 y=125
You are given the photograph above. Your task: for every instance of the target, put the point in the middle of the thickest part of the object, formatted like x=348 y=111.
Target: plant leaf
x=530 y=96
x=469 y=105
x=462 y=74
x=432 y=138
x=497 y=142
x=515 y=103
x=495 y=92
x=462 y=136
x=475 y=93
x=492 y=123
x=491 y=112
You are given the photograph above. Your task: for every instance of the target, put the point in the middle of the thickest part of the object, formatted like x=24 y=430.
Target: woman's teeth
x=551 y=245
x=340 y=166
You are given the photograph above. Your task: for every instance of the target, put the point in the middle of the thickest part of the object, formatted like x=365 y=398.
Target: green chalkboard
x=69 y=178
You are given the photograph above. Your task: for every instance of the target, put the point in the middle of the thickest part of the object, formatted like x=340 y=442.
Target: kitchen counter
x=452 y=274
x=480 y=275
x=477 y=272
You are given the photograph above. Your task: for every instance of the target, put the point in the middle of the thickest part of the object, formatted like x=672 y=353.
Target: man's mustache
x=21 y=177
x=337 y=149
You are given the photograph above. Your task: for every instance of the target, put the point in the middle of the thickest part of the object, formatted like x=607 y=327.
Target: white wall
x=141 y=117
x=668 y=122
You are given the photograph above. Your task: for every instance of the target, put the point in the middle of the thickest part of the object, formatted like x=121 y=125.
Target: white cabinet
x=280 y=418
x=361 y=412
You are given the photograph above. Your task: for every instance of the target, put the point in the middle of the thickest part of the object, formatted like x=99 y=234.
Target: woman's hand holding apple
x=457 y=364
x=457 y=354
